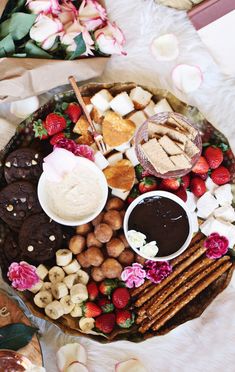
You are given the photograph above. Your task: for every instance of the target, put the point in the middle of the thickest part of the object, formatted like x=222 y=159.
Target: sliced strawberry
x=105 y=323
x=91 y=310
x=220 y=175
x=148 y=184
x=39 y=130
x=181 y=193
x=57 y=137
x=106 y=305
x=170 y=184
x=124 y=318
x=201 y=166
x=73 y=111
x=185 y=181
x=198 y=186
x=55 y=123
x=120 y=297
x=214 y=156
x=92 y=290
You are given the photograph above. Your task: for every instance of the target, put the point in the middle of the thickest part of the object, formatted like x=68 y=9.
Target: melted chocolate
x=163 y=220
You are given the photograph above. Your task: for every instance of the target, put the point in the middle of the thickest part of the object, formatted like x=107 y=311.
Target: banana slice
x=69 y=354
x=42 y=271
x=43 y=298
x=75 y=367
x=78 y=293
x=59 y=290
x=82 y=277
x=63 y=257
x=36 y=288
x=54 y=310
x=56 y=274
x=70 y=280
x=67 y=304
x=86 y=324
x=77 y=311
x=72 y=268
x=46 y=286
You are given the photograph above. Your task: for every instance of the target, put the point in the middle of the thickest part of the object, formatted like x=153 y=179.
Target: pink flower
x=80 y=150
x=133 y=275
x=217 y=245
x=43 y=6
x=92 y=15
x=68 y=12
x=22 y=275
x=72 y=30
x=45 y=30
x=110 y=39
x=156 y=271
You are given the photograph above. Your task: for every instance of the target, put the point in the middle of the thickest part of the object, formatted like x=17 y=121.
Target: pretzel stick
x=146 y=296
x=186 y=286
x=140 y=289
x=190 y=296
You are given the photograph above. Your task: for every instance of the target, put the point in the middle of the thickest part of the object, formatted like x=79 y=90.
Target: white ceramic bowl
x=169 y=196
x=45 y=204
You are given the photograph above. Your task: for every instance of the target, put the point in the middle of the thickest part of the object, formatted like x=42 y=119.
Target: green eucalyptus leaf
x=19 y=55
x=20 y=25
x=4 y=28
x=2 y=53
x=13 y=6
x=80 y=47
x=8 y=45
x=34 y=51
x=15 y=336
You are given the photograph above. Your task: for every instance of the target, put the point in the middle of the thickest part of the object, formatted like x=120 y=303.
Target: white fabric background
x=207 y=343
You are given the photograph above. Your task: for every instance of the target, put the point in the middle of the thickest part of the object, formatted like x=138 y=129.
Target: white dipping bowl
x=168 y=195
x=45 y=204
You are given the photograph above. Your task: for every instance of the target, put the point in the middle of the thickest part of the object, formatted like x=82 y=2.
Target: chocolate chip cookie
x=39 y=238
x=11 y=249
x=18 y=201
x=23 y=164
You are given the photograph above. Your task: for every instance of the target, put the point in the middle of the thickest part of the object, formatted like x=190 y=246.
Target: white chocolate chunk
x=224 y=195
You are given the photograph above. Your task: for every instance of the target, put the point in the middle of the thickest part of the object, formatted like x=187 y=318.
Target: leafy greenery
x=80 y=47
x=20 y=25
x=15 y=336
x=7 y=46
x=33 y=50
x=13 y=6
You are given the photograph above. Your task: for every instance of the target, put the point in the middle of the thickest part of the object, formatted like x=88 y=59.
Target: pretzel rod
x=201 y=264
x=187 y=286
x=189 y=297
x=138 y=290
x=146 y=296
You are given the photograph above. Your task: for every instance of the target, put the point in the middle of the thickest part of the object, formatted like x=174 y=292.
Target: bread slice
x=162 y=106
x=191 y=149
x=116 y=130
x=157 y=156
x=162 y=130
x=122 y=104
x=101 y=100
x=149 y=109
x=138 y=117
x=140 y=97
x=180 y=161
x=169 y=146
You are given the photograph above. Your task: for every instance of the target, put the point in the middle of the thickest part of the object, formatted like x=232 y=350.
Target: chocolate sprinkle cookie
x=39 y=238
x=18 y=201
x=23 y=164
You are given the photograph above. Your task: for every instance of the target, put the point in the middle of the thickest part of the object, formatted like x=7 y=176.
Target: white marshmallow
x=206 y=205
x=114 y=158
x=162 y=106
x=191 y=201
x=120 y=194
x=194 y=220
x=123 y=147
x=138 y=118
x=149 y=110
x=101 y=100
x=226 y=213
x=122 y=104
x=101 y=161
x=231 y=236
x=223 y=228
x=224 y=195
x=131 y=155
x=210 y=185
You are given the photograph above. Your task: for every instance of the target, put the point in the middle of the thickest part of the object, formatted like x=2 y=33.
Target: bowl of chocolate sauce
x=163 y=218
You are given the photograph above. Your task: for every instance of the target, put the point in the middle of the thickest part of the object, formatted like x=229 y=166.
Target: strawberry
x=91 y=310
x=133 y=195
x=181 y=193
x=40 y=130
x=185 y=181
x=198 y=186
x=203 y=176
x=107 y=286
x=124 y=318
x=55 y=123
x=140 y=172
x=105 y=323
x=56 y=138
x=73 y=111
x=170 y=184
x=92 y=290
x=106 y=305
x=120 y=297
x=148 y=184
x=201 y=166
x=214 y=156
x=220 y=175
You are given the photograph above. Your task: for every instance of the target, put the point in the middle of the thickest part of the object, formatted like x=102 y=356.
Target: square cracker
x=191 y=149
x=180 y=161
x=169 y=146
x=162 y=130
x=157 y=156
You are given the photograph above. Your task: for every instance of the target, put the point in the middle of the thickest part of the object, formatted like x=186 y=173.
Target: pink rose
x=68 y=12
x=43 y=6
x=110 y=39
x=22 y=275
x=156 y=271
x=217 y=245
x=45 y=30
x=92 y=15
x=73 y=30
x=133 y=275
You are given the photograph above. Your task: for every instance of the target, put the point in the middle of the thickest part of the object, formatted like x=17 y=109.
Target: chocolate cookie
x=23 y=164
x=11 y=249
x=18 y=201
x=39 y=238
